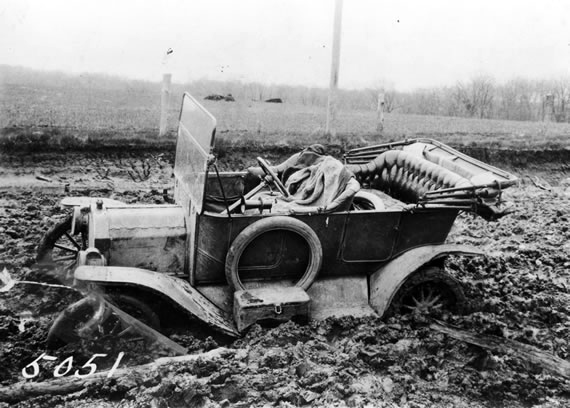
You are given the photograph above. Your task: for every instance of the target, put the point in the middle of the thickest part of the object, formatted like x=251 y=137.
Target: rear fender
x=177 y=290
x=386 y=281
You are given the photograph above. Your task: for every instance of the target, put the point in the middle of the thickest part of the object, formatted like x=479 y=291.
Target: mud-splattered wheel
x=60 y=247
x=91 y=316
x=429 y=291
x=78 y=320
x=137 y=308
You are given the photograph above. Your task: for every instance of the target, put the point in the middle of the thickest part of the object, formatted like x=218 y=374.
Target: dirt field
x=35 y=105
x=520 y=291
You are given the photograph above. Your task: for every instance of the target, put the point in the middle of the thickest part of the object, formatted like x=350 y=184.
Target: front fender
x=386 y=281
x=177 y=290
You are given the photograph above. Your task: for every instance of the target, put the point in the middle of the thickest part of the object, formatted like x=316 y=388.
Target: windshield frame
x=194 y=148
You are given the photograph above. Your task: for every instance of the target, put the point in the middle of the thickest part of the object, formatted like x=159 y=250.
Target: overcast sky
x=410 y=44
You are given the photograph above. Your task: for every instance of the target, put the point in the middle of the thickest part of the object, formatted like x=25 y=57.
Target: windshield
x=196 y=132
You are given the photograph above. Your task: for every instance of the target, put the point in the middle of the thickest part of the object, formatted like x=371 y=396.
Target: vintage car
x=227 y=255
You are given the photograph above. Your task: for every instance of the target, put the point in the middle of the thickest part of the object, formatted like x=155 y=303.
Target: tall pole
x=330 y=130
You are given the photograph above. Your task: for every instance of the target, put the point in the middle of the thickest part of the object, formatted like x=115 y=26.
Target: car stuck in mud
x=366 y=236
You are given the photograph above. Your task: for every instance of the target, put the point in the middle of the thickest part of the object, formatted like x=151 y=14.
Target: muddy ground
x=520 y=291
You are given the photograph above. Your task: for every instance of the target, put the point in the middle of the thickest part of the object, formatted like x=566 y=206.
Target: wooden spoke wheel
x=60 y=247
x=137 y=308
x=430 y=291
x=90 y=317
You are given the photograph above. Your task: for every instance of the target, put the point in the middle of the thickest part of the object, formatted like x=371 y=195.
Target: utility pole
x=330 y=129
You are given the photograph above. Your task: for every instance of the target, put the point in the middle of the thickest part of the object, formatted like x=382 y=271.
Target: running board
x=177 y=290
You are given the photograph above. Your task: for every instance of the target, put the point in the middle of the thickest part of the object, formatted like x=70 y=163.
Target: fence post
x=380 y=113
x=548 y=108
x=164 y=103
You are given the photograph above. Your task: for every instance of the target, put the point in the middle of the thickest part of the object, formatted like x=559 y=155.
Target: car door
x=370 y=236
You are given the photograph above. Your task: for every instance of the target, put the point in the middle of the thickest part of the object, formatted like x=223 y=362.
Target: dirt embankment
x=240 y=154
x=232 y=144
x=546 y=159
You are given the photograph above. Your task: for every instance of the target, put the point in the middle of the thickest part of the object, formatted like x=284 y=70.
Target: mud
x=521 y=291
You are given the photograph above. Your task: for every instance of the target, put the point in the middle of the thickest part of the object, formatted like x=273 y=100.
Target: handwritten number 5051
x=66 y=365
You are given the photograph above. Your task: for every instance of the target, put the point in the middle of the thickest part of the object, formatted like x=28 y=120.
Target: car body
x=202 y=250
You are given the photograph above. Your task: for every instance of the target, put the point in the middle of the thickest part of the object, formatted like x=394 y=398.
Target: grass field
x=132 y=109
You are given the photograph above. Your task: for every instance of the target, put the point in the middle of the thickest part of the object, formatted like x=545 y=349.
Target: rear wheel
x=430 y=291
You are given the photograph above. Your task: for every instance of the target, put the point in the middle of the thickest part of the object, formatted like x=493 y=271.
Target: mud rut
x=520 y=291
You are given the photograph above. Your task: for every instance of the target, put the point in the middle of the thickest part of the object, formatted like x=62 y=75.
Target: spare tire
x=365 y=200
x=254 y=230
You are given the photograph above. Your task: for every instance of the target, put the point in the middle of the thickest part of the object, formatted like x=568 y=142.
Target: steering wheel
x=267 y=170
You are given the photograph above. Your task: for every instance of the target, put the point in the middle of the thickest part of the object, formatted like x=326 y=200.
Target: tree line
x=481 y=97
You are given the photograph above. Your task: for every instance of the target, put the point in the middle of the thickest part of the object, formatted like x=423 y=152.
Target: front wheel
x=77 y=321
x=91 y=317
x=60 y=247
x=137 y=308
x=429 y=291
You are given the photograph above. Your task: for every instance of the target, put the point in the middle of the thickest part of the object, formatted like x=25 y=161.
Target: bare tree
x=390 y=101
x=476 y=97
x=481 y=97
x=515 y=100
x=561 y=92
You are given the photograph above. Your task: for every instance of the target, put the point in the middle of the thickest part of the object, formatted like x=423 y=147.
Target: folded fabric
x=316 y=185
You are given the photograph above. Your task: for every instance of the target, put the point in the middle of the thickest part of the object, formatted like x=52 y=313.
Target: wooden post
x=380 y=110
x=548 y=108
x=164 y=102
x=330 y=129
